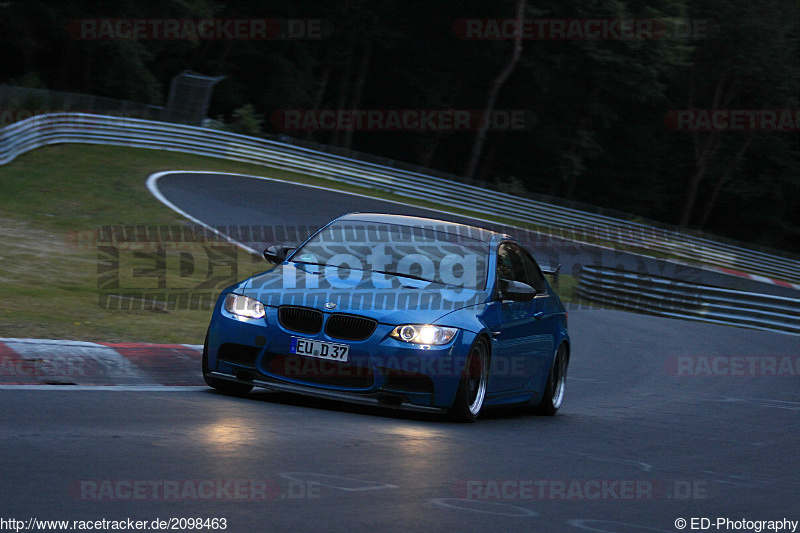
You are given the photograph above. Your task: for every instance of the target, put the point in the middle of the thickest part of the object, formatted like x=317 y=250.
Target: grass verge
x=51 y=288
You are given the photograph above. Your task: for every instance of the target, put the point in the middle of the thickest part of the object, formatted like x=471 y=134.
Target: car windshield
x=422 y=253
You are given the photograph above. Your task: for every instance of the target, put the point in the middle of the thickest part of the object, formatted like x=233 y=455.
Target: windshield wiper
x=412 y=276
x=309 y=263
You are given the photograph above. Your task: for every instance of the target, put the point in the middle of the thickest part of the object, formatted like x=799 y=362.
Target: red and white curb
x=42 y=362
x=756 y=277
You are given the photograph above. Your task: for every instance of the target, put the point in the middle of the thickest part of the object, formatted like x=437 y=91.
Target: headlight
x=244 y=306
x=423 y=334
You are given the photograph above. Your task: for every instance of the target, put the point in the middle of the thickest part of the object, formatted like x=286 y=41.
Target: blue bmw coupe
x=398 y=311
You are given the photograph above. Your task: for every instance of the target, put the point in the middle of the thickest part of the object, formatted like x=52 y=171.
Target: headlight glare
x=423 y=334
x=427 y=335
x=244 y=306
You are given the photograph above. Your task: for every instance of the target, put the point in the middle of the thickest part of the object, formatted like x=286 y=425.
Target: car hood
x=386 y=298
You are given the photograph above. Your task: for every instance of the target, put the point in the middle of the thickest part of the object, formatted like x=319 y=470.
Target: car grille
x=350 y=327
x=300 y=319
x=319 y=371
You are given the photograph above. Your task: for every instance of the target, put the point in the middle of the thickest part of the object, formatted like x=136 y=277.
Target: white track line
x=152 y=186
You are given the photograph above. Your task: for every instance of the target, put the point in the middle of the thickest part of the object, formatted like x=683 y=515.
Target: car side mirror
x=552 y=271
x=275 y=254
x=516 y=291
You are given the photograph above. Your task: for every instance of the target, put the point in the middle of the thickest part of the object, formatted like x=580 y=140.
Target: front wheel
x=556 y=383
x=472 y=387
x=222 y=385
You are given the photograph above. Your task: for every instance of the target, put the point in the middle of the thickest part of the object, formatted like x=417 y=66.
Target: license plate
x=320 y=349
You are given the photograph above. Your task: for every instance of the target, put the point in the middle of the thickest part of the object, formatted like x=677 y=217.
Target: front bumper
x=382 y=399
x=380 y=370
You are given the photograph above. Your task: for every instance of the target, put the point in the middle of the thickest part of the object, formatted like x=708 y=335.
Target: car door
x=546 y=315
x=518 y=339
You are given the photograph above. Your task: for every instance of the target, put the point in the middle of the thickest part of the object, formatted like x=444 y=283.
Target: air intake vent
x=238 y=354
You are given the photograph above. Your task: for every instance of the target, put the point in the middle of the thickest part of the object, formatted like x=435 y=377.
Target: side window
x=535 y=276
x=510 y=263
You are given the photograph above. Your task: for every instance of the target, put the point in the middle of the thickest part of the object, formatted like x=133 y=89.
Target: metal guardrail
x=559 y=221
x=18 y=101
x=670 y=298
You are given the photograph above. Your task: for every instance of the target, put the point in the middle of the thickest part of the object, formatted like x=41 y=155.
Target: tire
x=222 y=385
x=556 y=384
x=472 y=387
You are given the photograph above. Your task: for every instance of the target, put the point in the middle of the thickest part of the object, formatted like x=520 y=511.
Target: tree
x=491 y=99
x=752 y=63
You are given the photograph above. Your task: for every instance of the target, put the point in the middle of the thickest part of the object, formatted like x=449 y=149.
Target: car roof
x=453 y=228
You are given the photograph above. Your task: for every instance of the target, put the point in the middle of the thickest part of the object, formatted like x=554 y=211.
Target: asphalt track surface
x=654 y=428
x=695 y=444
x=233 y=203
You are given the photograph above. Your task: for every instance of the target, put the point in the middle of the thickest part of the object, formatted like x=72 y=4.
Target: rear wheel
x=556 y=384
x=472 y=387
x=222 y=385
